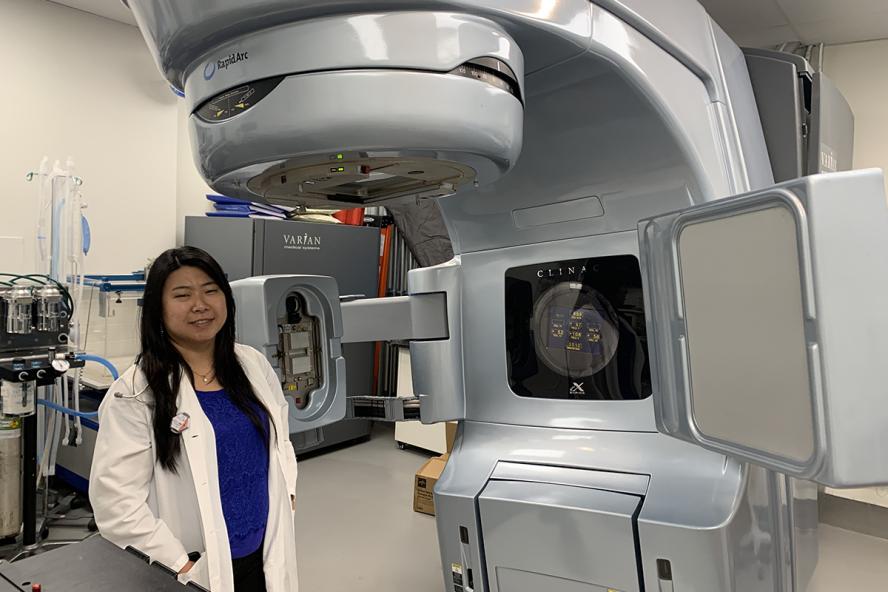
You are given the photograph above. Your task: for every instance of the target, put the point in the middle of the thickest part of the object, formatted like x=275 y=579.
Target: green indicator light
x=340 y=169
x=339 y=157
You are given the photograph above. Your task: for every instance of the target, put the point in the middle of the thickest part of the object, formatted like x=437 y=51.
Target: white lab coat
x=166 y=515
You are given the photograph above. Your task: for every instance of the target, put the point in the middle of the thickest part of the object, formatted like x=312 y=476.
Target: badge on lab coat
x=180 y=423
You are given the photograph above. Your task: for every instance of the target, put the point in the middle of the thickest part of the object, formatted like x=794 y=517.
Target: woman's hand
x=186 y=567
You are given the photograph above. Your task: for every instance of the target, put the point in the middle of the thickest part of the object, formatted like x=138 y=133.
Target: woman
x=193 y=464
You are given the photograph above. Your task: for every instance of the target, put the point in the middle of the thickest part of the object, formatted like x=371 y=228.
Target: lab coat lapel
x=198 y=439
x=279 y=548
x=257 y=380
x=277 y=414
x=199 y=442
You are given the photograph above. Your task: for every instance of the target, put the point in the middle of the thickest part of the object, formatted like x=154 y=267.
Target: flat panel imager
x=653 y=351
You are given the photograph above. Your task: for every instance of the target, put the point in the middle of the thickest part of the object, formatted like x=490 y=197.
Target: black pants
x=248 y=573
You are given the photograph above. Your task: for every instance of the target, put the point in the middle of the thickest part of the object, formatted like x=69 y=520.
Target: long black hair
x=164 y=366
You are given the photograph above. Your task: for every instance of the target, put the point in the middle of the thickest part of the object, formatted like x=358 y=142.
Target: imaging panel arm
x=416 y=317
x=408 y=318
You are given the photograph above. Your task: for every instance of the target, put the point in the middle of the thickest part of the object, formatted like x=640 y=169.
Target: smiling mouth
x=201 y=322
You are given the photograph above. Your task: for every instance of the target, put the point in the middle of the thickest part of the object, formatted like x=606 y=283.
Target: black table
x=94 y=565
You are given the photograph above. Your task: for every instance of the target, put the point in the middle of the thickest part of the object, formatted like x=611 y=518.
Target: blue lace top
x=242 y=454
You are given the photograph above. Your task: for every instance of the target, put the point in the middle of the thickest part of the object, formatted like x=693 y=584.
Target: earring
x=162 y=332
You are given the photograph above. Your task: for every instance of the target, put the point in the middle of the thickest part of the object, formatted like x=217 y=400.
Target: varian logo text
x=302 y=242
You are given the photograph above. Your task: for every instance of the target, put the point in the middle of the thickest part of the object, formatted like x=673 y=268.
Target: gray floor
x=357 y=530
x=850 y=561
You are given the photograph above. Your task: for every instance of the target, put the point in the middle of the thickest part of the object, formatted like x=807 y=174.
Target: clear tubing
x=78 y=427
x=44 y=199
x=52 y=429
x=70 y=232
x=66 y=402
x=76 y=257
x=76 y=281
x=48 y=429
x=58 y=189
x=53 y=452
x=66 y=411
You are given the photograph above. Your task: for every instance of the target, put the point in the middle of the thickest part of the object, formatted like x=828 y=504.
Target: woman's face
x=194 y=307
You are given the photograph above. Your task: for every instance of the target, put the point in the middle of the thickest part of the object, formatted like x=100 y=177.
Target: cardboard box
x=424 y=484
x=450 y=435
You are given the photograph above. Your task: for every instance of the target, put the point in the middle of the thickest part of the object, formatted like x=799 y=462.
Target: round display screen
x=575 y=329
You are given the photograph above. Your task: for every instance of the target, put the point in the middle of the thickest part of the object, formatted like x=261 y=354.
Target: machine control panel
x=236 y=100
x=576 y=330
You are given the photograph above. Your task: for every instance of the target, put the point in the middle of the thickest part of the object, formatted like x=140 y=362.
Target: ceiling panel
x=808 y=11
x=750 y=14
x=771 y=37
x=758 y=23
x=112 y=9
x=840 y=30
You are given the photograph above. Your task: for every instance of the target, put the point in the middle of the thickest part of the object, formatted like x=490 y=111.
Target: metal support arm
x=409 y=318
x=416 y=317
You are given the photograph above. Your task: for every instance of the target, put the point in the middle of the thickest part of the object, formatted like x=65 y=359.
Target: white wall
x=191 y=189
x=860 y=72
x=85 y=86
